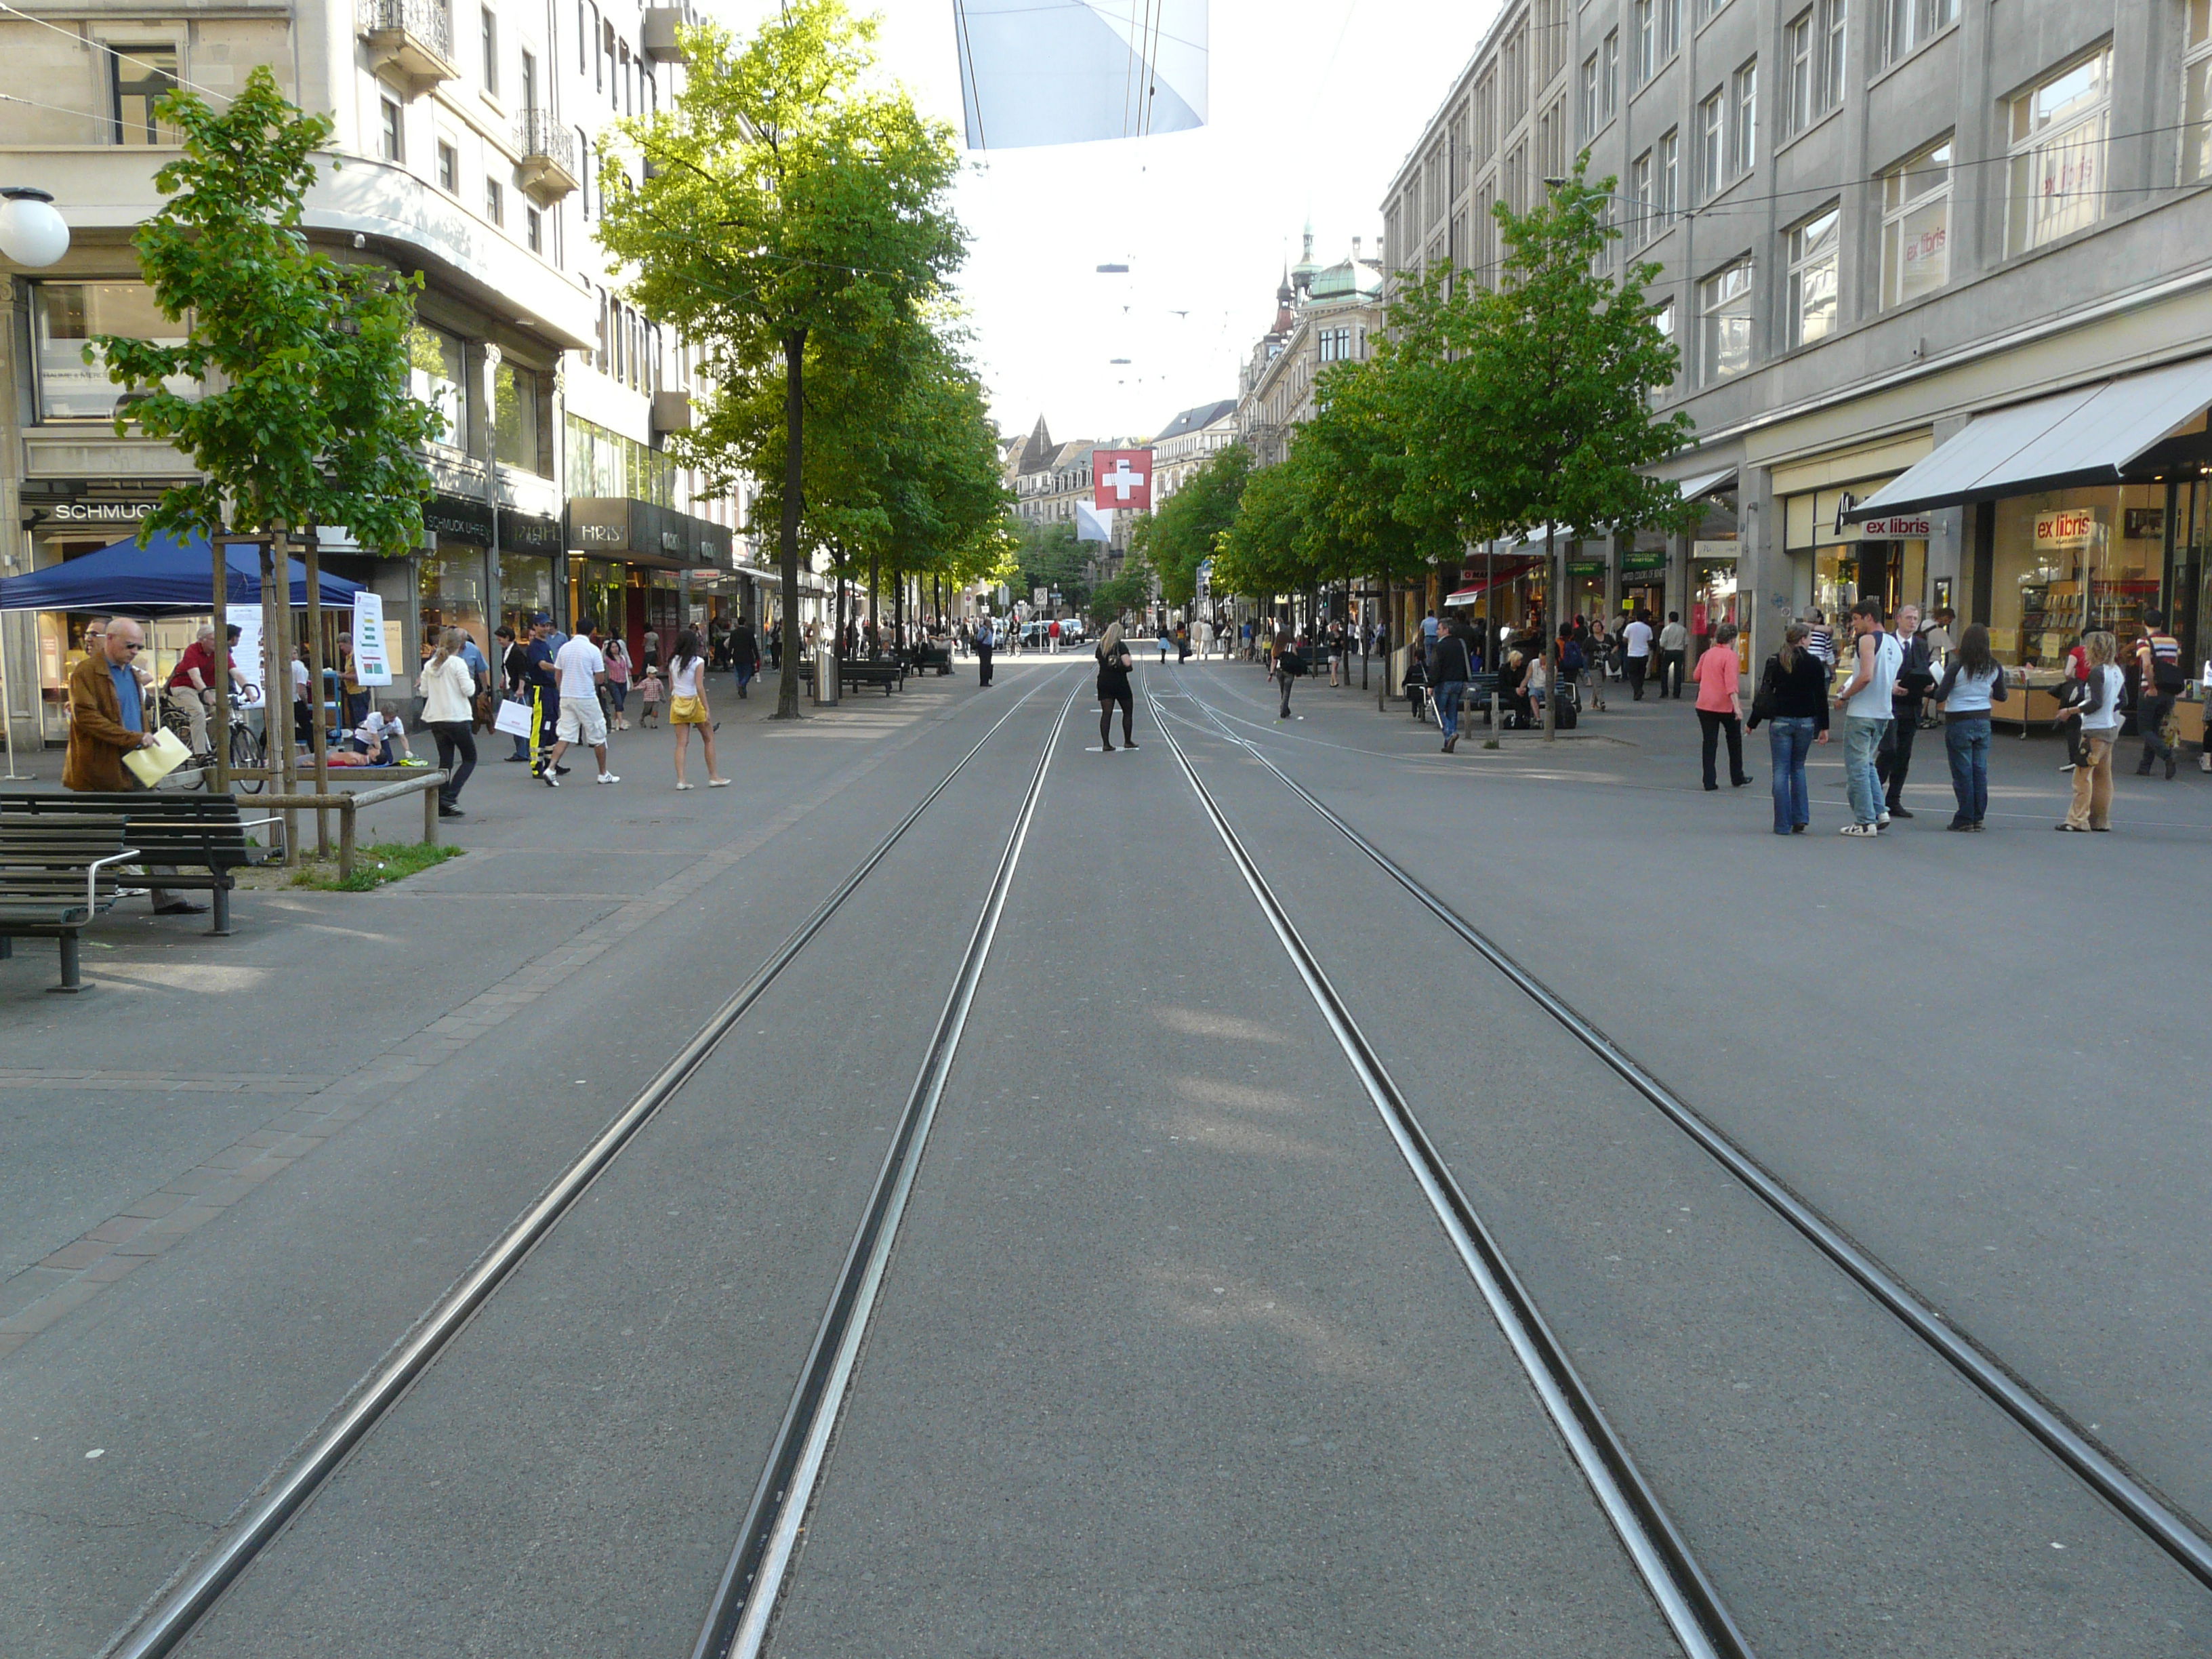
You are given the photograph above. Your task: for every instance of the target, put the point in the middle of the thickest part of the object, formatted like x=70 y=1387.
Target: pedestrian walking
x=1972 y=682
x=619 y=674
x=650 y=653
x=1112 y=657
x=1792 y=699
x=448 y=690
x=1821 y=639
x=1866 y=702
x=744 y=656
x=1720 y=705
x=107 y=720
x=580 y=668
x=2160 y=677
x=687 y=708
x=986 y=643
x=1052 y=637
x=650 y=690
x=515 y=680
x=2099 y=715
x=544 y=688
x=1636 y=640
x=1165 y=640
x=1916 y=678
x=1449 y=670
x=1673 y=642
x=1600 y=655
x=1290 y=663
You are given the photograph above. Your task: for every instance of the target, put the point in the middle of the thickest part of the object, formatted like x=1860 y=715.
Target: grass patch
x=374 y=867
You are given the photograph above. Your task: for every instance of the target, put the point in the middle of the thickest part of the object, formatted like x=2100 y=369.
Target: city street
x=1169 y=1340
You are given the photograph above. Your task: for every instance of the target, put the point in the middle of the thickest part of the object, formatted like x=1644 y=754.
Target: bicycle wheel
x=244 y=754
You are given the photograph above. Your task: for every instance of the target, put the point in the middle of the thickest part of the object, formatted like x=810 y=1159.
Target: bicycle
x=248 y=751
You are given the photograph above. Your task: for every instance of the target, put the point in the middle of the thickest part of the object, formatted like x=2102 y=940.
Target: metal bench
x=57 y=873
x=201 y=837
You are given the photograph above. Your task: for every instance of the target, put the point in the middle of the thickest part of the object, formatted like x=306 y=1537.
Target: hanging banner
x=246 y=663
x=372 y=663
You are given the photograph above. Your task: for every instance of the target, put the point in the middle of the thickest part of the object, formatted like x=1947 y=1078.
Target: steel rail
x=1687 y=1599
x=173 y=1616
x=2172 y=1529
x=745 y=1599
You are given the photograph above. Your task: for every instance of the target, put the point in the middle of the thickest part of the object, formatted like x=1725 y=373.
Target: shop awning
x=2089 y=435
x=1698 y=489
x=167 y=576
x=1508 y=570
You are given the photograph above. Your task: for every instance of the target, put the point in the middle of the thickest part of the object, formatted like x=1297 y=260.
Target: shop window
x=1724 y=324
x=2070 y=560
x=66 y=317
x=1813 y=266
x=1906 y=23
x=514 y=415
x=2058 y=131
x=1743 y=119
x=437 y=376
x=1916 y=225
x=2196 y=95
x=140 y=74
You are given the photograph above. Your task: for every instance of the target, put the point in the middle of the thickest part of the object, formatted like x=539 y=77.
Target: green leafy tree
x=1180 y=535
x=792 y=222
x=1262 y=552
x=298 y=411
x=1128 y=589
x=1048 y=556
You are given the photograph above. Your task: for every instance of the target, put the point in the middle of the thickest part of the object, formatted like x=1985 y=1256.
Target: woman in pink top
x=1718 y=709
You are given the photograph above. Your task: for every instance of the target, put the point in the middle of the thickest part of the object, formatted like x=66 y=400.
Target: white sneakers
x=687 y=786
x=717 y=783
x=609 y=777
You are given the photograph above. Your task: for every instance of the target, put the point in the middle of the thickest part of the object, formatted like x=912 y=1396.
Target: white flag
x=1093 y=524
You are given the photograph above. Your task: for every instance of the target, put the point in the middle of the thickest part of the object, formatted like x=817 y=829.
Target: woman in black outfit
x=1113 y=688
x=1792 y=700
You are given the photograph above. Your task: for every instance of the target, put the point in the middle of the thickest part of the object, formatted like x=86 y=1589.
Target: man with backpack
x=2158 y=662
x=1449 y=670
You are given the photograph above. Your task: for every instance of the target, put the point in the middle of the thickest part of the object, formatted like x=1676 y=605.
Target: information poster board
x=246 y=655
x=372 y=662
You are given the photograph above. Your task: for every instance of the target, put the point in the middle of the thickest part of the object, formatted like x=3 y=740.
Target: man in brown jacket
x=107 y=720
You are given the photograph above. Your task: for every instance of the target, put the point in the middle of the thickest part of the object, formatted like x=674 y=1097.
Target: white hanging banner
x=246 y=655
x=372 y=663
x=1070 y=71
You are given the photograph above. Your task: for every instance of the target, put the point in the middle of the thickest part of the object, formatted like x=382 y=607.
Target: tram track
x=2175 y=1531
x=198 y=1587
x=1685 y=1595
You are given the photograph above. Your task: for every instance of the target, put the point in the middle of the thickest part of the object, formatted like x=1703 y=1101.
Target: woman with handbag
x=687 y=707
x=446 y=686
x=1792 y=700
x=1113 y=688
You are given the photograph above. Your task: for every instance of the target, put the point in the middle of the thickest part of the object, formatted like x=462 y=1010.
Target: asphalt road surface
x=1169 y=1347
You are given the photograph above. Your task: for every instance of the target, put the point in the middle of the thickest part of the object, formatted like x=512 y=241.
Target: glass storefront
x=600 y=589
x=525 y=587
x=451 y=583
x=1838 y=563
x=1586 y=588
x=2071 y=561
x=1643 y=583
x=1713 y=598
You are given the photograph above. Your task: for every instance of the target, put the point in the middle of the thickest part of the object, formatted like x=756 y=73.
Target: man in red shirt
x=193 y=677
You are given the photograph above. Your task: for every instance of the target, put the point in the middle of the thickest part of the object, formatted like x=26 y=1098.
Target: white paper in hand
x=165 y=755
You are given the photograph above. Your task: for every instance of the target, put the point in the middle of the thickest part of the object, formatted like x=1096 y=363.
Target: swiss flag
x=1123 y=477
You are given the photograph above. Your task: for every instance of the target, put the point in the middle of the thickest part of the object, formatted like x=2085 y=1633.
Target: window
x=1640 y=203
x=1906 y=23
x=1812 y=278
x=1592 y=116
x=436 y=376
x=1671 y=168
x=2196 y=95
x=1743 y=125
x=1916 y=225
x=533 y=230
x=529 y=80
x=391 y=133
x=65 y=319
x=584 y=172
x=1670 y=29
x=1712 y=133
x=584 y=32
x=449 y=168
x=1724 y=324
x=1663 y=320
x=1833 y=22
x=1799 y=85
x=514 y=415
x=1609 y=72
x=2058 y=133
x=1336 y=344
x=140 y=74
x=494 y=202
x=490 y=51
x=1646 y=20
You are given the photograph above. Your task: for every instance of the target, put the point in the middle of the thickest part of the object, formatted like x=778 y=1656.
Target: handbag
x=682 y=711
x=513 y=719
x=1762 y=700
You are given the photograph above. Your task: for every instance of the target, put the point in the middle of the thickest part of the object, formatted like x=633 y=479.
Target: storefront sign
x=372 y=663
x=1713 y=550
x=1893 y=530
x=2072 y=526
x=1643 y=566
x=1587 y=568
x=457 y=518
x=525 y=533
x=98 y=512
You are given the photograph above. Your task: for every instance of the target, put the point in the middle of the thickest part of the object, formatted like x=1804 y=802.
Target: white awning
x=2088 y=435
x=1696 y=488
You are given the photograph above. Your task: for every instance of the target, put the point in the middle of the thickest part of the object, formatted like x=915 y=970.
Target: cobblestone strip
x=71 y=1276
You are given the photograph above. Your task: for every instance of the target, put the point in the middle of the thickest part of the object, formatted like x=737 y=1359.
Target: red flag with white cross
x=1123 y=477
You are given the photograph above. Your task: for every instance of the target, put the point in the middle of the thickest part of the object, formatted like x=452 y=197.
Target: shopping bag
x=165 y=755
x=513 y=719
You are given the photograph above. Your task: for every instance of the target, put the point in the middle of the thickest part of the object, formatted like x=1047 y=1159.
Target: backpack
x=2165 y=674
x=1571 y=658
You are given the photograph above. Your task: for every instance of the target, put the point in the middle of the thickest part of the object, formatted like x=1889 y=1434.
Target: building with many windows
x=1941 y=274
x=1185 y=443
x=469 y=138
x=1323 y=314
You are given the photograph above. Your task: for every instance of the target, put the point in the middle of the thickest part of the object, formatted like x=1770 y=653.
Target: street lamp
x=31 y=233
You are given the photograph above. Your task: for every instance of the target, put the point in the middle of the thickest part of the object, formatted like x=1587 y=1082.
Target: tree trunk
x=875 y=599
x=321 y=758
x=794 y=352
x=222 y=584
x=1553 y=597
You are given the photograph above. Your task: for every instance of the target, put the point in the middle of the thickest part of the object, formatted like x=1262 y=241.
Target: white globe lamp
x=31 y=233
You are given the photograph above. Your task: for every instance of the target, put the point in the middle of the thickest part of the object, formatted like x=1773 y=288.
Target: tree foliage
x=794 y=223
x=1180 y=535
x=296 y=403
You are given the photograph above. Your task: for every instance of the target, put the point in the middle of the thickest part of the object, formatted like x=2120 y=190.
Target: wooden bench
x=201 y=837
x=886 y=671
x=936 y=658
x=56 y=872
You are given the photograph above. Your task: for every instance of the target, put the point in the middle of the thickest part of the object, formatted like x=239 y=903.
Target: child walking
x=648 y=697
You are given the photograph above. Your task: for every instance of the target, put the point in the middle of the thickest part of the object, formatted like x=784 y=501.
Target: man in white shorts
x=580 y=670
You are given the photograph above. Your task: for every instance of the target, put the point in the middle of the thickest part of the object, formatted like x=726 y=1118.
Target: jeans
x=454 y=737
x=1862 y=738
x=1670 y=673
x=2150 y=719
x=1966 y=741
x=1713 y=724
x=1635 y=667
x=1448 y=694
x=1788 y=743
x=1283 y=678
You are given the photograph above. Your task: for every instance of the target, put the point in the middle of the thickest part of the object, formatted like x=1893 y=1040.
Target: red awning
x=1506 y=570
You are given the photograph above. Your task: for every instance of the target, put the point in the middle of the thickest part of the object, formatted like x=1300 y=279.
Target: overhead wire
x=91 y=44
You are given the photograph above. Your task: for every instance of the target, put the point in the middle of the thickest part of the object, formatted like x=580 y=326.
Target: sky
x=1314 y=105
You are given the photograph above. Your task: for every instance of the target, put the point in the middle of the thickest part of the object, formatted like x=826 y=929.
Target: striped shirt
x=1821 y=642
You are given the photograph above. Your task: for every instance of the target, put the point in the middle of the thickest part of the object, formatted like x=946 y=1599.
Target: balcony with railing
x=411 y=43
x=548 y=169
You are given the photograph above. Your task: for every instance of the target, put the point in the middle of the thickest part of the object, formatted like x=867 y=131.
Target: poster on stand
x=372 y=663
x=246 y=663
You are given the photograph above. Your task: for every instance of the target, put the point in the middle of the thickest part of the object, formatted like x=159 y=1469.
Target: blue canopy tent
x=168 y=576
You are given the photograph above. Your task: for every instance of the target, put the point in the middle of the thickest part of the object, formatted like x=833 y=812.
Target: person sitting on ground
x=382 y=735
